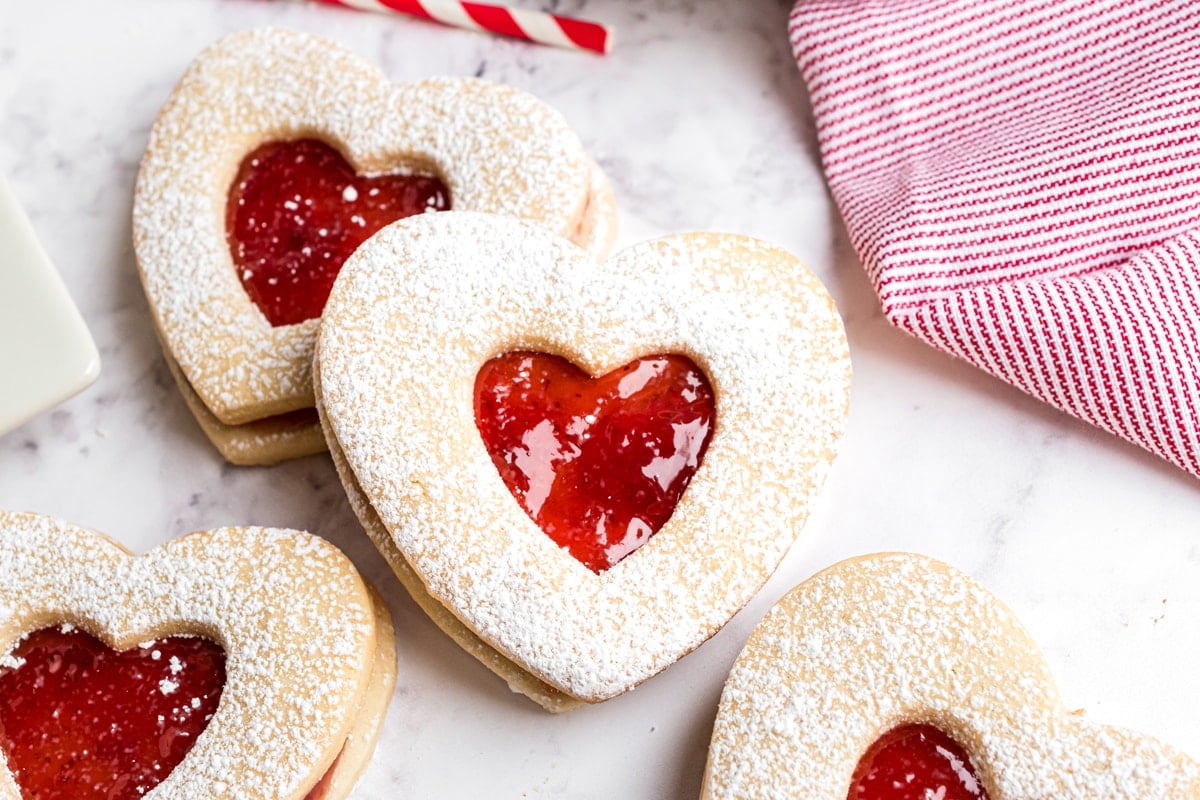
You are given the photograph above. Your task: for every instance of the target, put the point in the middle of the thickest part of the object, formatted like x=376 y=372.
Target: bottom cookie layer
x=253 y=444
x=368 y=723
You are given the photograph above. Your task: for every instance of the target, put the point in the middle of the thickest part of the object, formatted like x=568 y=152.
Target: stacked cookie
x=240 y=662
x=237 y=335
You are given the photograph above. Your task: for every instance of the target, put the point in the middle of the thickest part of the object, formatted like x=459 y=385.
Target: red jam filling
x=295 y=213
x=79 y=720
x=915 y=762
x=321 y=790
x=598 y=463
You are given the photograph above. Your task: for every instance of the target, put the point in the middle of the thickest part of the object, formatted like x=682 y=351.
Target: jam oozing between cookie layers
x=79 y=720
x=915 y=762
x=598 y=463
x=297 y=210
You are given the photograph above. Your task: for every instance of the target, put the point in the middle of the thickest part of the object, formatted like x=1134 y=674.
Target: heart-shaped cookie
x=307 y=648
x=884 y=643
x=419 y=310
x=206 y=184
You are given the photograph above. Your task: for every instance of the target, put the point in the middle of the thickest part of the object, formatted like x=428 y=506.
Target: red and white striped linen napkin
x=1021 y=179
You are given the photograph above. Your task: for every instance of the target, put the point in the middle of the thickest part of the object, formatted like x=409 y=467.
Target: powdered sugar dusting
x=518 y=679
x=876 y=642
x=424 y=304
x=293 y=616
x=497 y=149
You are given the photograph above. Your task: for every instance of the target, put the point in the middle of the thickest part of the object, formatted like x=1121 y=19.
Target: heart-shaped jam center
x=915 y=762
x=598 y=463
x=79 y=720
x=297 y=210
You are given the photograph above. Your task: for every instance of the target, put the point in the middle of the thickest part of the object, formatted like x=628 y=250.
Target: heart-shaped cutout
x=309 y=664
x=295 y=213
x=424 y=304
x=79 y=719
x=915 y=762
x=494 y=148
x=890 y=641
x=599 y=463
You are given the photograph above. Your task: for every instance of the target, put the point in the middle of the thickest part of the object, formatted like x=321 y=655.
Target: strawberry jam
x=598 y=463
x=915 y=762
x=79 y=720
x=295 y=213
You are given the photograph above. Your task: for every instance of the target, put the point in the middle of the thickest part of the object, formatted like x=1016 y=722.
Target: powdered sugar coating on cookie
x=425 y=303
x=497 y=149
x=295 y=620
x=881 y=641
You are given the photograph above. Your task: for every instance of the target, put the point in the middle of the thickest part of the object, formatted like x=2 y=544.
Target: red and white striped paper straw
x=532 y=26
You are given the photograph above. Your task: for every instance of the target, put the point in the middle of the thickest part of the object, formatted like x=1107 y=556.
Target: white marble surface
x=701 y=119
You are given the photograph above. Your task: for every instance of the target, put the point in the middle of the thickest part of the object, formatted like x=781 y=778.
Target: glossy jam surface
x=598 y=463
x=915 y=762
x=80 y=721
x=295 y=213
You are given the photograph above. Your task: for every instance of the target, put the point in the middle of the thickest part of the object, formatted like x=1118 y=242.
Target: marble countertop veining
x=702 y=121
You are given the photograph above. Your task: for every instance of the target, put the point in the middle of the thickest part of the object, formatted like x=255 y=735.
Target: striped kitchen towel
x=1021 y=180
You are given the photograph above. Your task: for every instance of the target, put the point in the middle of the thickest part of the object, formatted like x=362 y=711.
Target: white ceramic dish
x=46 y=352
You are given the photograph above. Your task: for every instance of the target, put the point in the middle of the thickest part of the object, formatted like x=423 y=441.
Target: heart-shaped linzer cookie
x=419 y=311
x=240 y=662
x=277 y=154
x=894 y=672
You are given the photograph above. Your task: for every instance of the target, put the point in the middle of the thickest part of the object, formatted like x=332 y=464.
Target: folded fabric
x=1021 y=180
